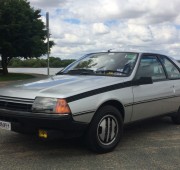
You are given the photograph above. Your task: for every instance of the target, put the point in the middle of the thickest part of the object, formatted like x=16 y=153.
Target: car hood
x=61 y=86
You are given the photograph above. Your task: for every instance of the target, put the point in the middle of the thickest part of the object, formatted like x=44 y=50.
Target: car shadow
x=73 y=147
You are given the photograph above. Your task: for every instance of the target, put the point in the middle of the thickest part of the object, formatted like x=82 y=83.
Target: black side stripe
x=111 y=88
x=150 y=100
x=126 y=105
x=129 y=104
x=82 y=113
x=99 y=91
x=155 y=99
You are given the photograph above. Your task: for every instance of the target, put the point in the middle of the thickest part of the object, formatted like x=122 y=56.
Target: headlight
x=50 y=105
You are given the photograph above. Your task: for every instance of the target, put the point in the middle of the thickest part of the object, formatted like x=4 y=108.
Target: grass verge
x=15 y=76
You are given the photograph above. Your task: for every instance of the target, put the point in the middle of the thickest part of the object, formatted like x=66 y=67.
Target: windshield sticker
x=130 y=56
x=110 y=73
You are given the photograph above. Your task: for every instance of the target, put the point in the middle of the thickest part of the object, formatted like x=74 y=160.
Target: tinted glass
x=150 y=67
x=171 y=69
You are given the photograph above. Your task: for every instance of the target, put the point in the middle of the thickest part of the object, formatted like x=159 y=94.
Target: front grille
x=16 y=104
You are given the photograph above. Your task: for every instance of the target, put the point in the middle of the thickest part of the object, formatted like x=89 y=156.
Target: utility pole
x=47 y=28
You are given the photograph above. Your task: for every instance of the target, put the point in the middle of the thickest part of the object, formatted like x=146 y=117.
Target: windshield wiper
x=81 y=71
x=110 y=71
x=90 y=72
x=60 y=73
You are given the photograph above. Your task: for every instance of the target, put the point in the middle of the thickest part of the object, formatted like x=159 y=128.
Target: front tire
x=105 y=130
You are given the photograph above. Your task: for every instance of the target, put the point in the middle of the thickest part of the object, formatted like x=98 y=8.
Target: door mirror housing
x=142 y=81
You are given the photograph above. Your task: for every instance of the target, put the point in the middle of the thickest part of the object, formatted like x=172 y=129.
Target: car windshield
x=111 y=64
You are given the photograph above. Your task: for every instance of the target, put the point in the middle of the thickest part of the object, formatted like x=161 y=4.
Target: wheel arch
x=118 y=105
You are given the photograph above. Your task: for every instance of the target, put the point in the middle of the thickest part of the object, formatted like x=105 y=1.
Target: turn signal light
x=62 y=107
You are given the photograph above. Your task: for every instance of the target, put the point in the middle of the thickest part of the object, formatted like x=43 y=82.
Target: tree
x=22 y=32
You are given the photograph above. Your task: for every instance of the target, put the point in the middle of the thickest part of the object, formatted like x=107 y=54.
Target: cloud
x=46 y=4
x=100 y=28
x=79 y=27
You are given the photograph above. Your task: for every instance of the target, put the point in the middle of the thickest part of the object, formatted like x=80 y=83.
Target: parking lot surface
x=151 y=144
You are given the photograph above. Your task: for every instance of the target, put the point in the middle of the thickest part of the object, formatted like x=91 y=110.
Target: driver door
x=150 y=99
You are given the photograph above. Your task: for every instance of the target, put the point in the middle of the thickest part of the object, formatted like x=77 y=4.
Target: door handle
x=173 y=88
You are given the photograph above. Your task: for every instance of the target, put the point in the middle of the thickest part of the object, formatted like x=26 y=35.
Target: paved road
x=152 y=144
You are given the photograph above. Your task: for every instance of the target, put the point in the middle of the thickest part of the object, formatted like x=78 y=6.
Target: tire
x=105 y=130
x=176 y=118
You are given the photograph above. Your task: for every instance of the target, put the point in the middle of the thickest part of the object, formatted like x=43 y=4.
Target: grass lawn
x=15 y=76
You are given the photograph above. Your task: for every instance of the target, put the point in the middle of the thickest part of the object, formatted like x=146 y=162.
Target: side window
x=171 y=69
x=150 y=67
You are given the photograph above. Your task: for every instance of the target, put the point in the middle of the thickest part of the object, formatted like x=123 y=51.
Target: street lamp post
x=47 y=28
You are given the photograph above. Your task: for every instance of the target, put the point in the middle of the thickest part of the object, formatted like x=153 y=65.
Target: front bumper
x=26 y=122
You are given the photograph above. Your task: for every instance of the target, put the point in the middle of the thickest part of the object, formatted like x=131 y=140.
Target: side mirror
x=143 y=80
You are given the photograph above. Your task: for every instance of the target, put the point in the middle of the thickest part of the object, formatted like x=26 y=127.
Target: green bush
x=35 y=63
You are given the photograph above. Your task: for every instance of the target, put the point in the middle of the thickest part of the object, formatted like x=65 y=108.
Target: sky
x=79 y=27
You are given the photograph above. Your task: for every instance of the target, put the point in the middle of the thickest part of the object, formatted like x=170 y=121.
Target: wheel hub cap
x=107 y=129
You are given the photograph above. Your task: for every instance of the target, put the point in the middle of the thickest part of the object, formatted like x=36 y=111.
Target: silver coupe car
x=94 y=96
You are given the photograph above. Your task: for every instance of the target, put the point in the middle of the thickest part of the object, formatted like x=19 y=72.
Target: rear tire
x=176 y=118
x=105 y=130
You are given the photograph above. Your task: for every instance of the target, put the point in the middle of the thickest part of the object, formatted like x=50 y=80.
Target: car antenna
x=109 y=50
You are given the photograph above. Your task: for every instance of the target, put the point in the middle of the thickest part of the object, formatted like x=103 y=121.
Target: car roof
x=139 y=52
